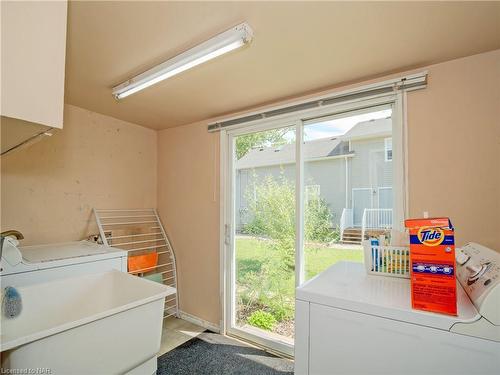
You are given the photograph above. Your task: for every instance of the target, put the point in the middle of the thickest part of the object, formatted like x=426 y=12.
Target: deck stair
x=351 y=236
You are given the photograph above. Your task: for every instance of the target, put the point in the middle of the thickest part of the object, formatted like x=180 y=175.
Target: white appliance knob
x=473 y=269
x=462 y=258
x=476 y=271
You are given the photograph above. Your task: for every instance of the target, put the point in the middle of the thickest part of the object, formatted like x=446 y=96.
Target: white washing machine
x=348 y=322
x=27 y=265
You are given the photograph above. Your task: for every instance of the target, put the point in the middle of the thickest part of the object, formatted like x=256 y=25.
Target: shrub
x=272 y=212
x=271 y=203
x=318 y=220
x=281 y=310
x=262 y=319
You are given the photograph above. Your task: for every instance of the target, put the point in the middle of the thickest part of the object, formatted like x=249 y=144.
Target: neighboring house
x=352 y=172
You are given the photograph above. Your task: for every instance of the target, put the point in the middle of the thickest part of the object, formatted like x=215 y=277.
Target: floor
x=213 y=354
x=176 y=332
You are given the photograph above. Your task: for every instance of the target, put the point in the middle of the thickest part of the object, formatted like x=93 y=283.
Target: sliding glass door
x=300 y=195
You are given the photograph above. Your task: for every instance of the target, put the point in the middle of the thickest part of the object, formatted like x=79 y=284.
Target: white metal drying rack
x=141 y=231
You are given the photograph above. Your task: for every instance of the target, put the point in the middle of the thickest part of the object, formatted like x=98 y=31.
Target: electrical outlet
x=108 y=234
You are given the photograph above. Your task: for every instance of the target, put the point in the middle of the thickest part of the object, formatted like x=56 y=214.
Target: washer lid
x=346 y=285
x=68 y=252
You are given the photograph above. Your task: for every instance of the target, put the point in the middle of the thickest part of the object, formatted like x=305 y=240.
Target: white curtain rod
x=408 y=83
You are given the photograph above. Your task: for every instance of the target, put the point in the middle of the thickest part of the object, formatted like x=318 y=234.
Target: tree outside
x=274 y=137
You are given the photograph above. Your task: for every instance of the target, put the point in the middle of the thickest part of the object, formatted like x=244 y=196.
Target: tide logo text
x=430 y=236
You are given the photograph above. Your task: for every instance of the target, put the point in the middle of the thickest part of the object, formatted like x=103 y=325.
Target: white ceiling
x=299 y=47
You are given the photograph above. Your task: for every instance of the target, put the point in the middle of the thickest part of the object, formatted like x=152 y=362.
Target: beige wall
x=188 y=203
x=49 y=188
x=454 y=147
x=454 y=170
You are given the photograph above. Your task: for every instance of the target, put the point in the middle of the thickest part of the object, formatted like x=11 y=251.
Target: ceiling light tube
x=220 y=44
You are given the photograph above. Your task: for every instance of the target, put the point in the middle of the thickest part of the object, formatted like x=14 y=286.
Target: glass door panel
x=264 y=243
x=343 y=167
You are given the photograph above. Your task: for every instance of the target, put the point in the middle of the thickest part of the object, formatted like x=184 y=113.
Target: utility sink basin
x=105 y=323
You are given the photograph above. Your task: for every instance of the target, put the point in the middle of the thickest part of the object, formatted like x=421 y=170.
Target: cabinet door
x=33 y=61
x=345 y=342
x=301 y=337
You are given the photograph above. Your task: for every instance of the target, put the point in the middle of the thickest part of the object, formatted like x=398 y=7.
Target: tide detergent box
x=432 y=265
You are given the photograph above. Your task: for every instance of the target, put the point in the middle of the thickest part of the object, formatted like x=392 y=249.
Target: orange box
x=142 y=263
x=432 y=260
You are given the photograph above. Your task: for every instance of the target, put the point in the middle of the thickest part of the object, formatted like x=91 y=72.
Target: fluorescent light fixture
x=212 y=48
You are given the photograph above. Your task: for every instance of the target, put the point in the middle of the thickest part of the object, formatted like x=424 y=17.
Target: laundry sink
x=105 y=323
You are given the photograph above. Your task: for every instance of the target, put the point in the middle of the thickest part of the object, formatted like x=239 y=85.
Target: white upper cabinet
x=33 y=59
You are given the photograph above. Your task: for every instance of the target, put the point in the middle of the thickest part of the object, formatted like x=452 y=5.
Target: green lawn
x=251 y=253
x=263 y=289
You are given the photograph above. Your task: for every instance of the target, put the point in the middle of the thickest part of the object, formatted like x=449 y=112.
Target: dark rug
x=211 y=353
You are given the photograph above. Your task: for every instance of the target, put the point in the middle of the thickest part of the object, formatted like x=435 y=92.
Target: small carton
x=432 y=265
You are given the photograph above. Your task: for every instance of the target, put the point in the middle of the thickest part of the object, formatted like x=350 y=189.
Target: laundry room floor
x=210 y=353
x=176 y=332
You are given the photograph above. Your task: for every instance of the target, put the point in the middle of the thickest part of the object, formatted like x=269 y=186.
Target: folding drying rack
x=140 y=232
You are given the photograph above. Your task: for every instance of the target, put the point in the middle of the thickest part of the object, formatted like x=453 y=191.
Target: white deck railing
x=345 y=221
x=376 y=218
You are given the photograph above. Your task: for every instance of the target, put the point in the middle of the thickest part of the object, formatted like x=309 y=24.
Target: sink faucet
x=15 y=233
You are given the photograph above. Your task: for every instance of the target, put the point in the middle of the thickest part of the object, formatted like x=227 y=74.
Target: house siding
x=370 y=152
x=244 y=187
x=366 y=169
x=328 y=174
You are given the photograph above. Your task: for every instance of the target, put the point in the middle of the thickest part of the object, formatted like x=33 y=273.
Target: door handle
x=227 y=234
